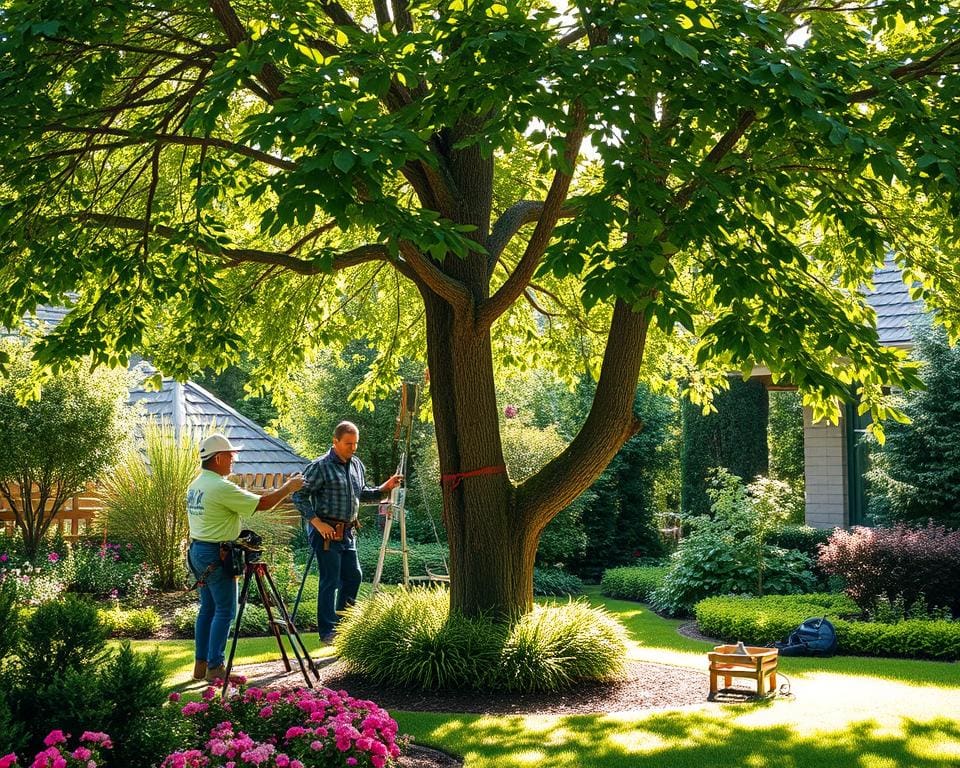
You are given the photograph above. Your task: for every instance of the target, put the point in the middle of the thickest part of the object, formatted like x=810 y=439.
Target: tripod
x=269 y=595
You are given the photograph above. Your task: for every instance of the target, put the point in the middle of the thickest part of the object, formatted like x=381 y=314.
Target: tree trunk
x=491 y=555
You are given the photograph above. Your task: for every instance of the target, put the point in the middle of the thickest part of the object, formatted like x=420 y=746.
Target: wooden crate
x=758 y=664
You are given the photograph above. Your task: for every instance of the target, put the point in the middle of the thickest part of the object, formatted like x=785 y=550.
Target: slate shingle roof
x=893 y=305
x=190 y=405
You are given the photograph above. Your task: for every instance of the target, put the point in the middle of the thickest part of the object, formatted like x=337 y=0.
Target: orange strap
x=453 y=480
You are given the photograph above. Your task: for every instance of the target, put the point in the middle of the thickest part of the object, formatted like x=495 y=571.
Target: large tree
x=205 y=177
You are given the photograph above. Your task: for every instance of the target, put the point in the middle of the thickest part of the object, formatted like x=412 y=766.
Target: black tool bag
x=814 y=637
x=231 y=558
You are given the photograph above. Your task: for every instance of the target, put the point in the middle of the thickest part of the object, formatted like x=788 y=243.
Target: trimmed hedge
x=555 y=582
x=632 y=582
x=765 y=620
x=138 y=622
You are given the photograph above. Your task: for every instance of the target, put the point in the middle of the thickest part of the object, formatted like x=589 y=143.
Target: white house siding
x=825 y=472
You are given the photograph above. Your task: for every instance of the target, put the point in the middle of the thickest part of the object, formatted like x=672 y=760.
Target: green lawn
x=845 y=712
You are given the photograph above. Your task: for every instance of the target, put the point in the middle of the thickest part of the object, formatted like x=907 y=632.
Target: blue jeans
x=340 y=577
x=218 y=603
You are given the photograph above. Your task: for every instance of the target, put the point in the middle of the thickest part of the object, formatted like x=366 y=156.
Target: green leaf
x=680 y=46
x=344 y=159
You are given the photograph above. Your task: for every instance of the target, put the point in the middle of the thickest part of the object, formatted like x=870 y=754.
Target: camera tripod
x=270 y=596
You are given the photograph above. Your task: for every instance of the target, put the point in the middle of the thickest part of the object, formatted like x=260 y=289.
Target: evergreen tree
x=734 y=437
x=915 y=475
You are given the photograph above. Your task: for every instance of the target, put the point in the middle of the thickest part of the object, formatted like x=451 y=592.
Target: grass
x=845 y=712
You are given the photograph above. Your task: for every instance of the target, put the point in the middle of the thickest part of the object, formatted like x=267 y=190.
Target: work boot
x=199 y=669
x=220 y=673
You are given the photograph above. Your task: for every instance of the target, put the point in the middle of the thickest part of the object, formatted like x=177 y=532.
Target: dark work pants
x=340 y=576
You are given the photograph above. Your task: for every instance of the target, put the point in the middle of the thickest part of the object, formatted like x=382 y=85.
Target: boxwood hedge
x=632 y=583
x=764 y=620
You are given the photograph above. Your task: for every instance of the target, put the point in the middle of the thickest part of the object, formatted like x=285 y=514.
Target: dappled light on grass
x=689 y=740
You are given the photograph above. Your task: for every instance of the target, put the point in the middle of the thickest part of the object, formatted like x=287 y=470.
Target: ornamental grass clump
x=287 y=728
x=554 y=647
x=409 y=639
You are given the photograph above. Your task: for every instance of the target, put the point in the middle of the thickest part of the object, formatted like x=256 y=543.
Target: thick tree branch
x=553 y=206
x=916 y=70
x=520 y=213
x=234 y=256
x=571 y=37
x=610 y=423
x=403 y=21
x=436 y=280
x=269 y=77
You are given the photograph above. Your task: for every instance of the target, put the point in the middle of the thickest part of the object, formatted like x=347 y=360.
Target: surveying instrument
x=256 y=571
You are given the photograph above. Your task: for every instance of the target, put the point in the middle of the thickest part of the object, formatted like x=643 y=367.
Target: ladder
x=396 y=505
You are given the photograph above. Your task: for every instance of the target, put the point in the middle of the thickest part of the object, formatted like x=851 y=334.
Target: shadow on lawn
x=694 y=740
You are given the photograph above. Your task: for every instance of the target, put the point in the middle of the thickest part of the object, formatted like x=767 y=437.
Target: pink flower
x=511 y=411
x=114 y=593
x=7 y=760
x=351 y=761
x=174 y=696
x=97 y=737
x=55 y=737
x=266 y=711
x=81 y=753
x=53 y=557
x=3 y=559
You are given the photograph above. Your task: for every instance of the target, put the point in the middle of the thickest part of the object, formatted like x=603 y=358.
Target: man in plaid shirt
x=334 y=485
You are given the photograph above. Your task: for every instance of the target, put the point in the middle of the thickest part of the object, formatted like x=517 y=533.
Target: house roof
x=895 y=309
x=190 y=405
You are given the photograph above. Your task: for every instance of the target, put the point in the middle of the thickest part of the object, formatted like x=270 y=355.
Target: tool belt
x=340 y=528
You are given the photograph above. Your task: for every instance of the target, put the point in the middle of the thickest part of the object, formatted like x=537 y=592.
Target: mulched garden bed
x=645 y=686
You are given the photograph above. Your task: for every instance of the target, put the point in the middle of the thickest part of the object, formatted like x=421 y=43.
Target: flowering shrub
x=58 y=755
x=102 y=569
x=915 y=564
x=35 y=584
x=109 y=569
x=291 y=728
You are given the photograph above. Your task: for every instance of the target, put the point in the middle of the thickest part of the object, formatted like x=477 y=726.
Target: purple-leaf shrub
x=919 y=564
x=289 y=728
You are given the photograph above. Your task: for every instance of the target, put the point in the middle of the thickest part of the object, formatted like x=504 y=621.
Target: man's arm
x=303 y=499
x=270 y=500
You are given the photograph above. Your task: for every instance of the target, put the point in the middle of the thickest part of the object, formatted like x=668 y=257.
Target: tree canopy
x=203 y=178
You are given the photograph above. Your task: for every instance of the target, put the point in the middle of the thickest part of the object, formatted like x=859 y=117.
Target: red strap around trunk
x=453 y=480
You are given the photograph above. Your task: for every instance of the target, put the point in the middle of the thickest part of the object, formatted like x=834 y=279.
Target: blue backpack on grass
x=814 y=637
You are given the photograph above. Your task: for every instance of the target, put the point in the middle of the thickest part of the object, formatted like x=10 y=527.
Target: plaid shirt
x=327 y=493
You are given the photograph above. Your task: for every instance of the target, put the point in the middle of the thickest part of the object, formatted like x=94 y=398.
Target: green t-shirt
x=215 y=505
